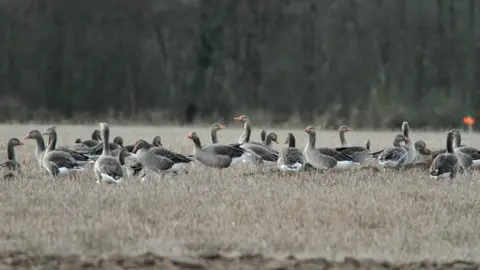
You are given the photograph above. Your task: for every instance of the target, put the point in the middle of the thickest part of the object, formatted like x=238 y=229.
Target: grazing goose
x=81 y=159
x=445 y=165
x=95 y=139
x=423 y=154
x=359 y=154
x=217 y=156
x=131 y=164
x=471 y=151
x=409 y=146
x=291 y=159
x=396 y=156
x=159 y=158
x=325 y=158
x=266 y=154
x=263 y=136
x=11 y=164
x=40 y=147
x=107 y=168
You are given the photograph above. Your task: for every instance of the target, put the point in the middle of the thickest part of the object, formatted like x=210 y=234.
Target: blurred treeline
x=371 y=63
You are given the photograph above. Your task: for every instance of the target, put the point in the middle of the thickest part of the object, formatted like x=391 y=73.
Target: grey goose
x=291 y=159
x=107 y=168
x=445 y=165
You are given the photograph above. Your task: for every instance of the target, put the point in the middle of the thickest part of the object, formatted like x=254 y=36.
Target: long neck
x=106 y=134
x=197 y=143
x=214 y=135
x=10 y=151
x=341 y=133
x=291 y=142
x=245 y=137
x=40 y=144
x=121 y=157
x=458 y=139
x=312 y=137
x=53 y=141
x=450 y=143
x=406 y=130
x=268 y=141
x=263 y=135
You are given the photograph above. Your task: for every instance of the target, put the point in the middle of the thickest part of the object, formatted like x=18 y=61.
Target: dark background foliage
x=374 y=63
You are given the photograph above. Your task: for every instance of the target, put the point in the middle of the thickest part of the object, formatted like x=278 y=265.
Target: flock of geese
x=113 y=161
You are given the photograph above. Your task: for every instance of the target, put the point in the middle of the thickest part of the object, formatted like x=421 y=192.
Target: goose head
x=118 y=140
x=14 y=142
x=141 y=144
x=96 y=135
x=344 y=129
x=50 y=131
x=290 y=140
x=77 y=140
x=273 y=137
x=310 y=130
x=217 y=127
x=157 y=141
x=242 y=118
x=421 y=146
x=33 y=134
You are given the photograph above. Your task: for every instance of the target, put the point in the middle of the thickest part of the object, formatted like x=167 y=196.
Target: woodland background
x=374 y=63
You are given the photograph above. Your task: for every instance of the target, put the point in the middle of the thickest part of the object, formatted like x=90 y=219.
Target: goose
x=11 y=163
x=259 y=150
x=359 y=154
x=157 y=141
x=325 y=158
x=40 y=146
x=217 y=155
x=396 y=156
x=291 y=159
x=58 y=162
x=409 y=146
x=445 y=165
x=131 y=164
x=213 y=131
x=81 y=159
x=471 y=151
x=107 y=168
x=423 y=154
x=96 y=151
x=95 y=139
x=159 y=158
x=263 y=136
x=368 y=144
x=271 y=137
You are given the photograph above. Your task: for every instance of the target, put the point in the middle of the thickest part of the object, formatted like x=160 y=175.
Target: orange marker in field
x=469 y=121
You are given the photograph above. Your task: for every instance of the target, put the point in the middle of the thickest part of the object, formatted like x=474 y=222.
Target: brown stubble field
x=364 y=214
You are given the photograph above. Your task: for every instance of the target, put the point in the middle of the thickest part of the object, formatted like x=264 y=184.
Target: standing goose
x=325 y=158
x=258 y=149
x=11 y=164
x=81 y=159
x=40 y=146
x=396 y=156
x=159 y=158
x=217 y=156
x=291 y=159
x=95 y=139
x=359 y=154
x=445 y=165
x=471 y=151
x=107 y=168
x=409 y=146
x=263 y=136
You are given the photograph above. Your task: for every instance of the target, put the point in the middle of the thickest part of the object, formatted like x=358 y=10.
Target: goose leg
x=220 y=172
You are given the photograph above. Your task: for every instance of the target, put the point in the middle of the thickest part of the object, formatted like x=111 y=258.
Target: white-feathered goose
x=107 y=168
x=40 y=145
x=11 y=163
x=81 y=158
x=396 y=156
x=291 y=159
x=159 y=159
x=471 y=151
x=445 y=165
x=359 y=154
x=217 y=156
x=409 y=146
x=325 y=158
x=266 y=154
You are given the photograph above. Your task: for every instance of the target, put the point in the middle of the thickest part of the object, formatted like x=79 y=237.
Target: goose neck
x=291 y=142
x=343 y=140
x=10 y=151
x=52 y=141
x=213 y=133
x=450 y=138
x=105 y=134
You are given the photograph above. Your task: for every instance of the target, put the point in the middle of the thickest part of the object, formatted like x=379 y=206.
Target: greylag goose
x=471 y=151
x=423 y=154
x=325 y=158
x=409 y=146
x=59 y=162
x=11 y=164
x=291 y=159
x=258 y=149
x=445 y=165
x=217 y=156
x=95 y=139
x=97 y=150
x=368 y=144
x=263 y=136
x=359 y=154
x=131 y=165
x=213 y=131
x=159 y=158
x=40 y=146
x=157 y=141
x=396 y=156
x=107 y=168
x=271 y=137
x=81 y=158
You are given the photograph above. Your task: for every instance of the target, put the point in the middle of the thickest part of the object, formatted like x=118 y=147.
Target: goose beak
x=189 y=135
x=20 y=143
x=239 y=118
x=222 y=126
x=349 y=129
x=307 y=130
x=26 y=137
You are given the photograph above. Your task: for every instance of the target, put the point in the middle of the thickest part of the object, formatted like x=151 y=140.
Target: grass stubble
x=384 y=216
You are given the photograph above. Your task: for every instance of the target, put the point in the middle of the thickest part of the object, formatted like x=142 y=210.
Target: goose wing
x=76 y=155
x=61 y=159
x=265 y=153
x=111 y=167
x=224 y=150
x=12 y=165
x=444 y=163
x=350 y=150
x=292 y=156
x=471 y=151
x=175 y=157
x=334 y=154
x=393 y=154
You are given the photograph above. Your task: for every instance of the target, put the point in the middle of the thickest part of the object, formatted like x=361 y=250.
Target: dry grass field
x=210 y=219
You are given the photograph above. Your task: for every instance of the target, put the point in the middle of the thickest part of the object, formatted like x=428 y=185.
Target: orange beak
x=20 y=143
x=189 y=135
x=349 y=129
x=307 y=130
x=222 y=126
x=26 y=137
x=238 y=118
